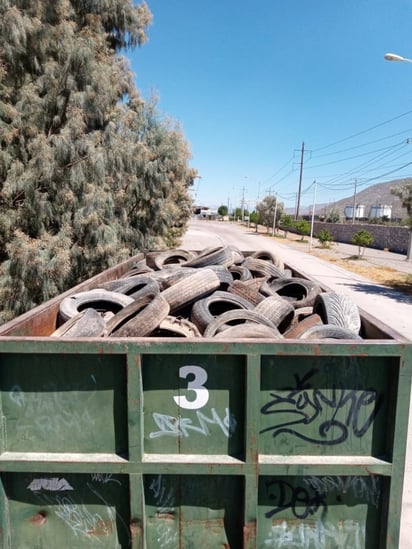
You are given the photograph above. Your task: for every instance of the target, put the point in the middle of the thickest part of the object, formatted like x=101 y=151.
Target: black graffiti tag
x=336 y=414
x=302 y=502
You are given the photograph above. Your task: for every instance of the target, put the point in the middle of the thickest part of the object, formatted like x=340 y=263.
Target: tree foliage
x=362 y=239
x=222 y=210
x=333 y=216
x=286 y=222
x=266 y=210
x=404 y=192
x=325 y=238
x=90 y=173
x=303 y=227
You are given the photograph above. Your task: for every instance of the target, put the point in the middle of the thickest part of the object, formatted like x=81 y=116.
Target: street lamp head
x=396 y=57
x=393 y=57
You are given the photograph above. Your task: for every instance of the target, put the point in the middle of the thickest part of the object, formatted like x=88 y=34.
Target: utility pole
x=354 y=203
x=313 y=214
x=302 y=154
x=275 y=214
x=242 y=209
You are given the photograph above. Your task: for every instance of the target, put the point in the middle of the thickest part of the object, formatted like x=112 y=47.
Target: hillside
x=375 y=195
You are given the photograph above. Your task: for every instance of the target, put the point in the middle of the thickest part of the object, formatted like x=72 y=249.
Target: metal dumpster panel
x=332 y=512
x=193 y=511
x=221 y=494
x=66 y=510
x=326 y=405
x=203 y=414
x=155 y=442
x=70 y=402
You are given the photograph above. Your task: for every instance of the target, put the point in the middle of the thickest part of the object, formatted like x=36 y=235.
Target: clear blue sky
x=249 y=82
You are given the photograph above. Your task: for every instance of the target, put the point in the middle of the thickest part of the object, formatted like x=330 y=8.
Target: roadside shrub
x=303 y=227
x=362 y=239
x=286 y=222
x=325 y=238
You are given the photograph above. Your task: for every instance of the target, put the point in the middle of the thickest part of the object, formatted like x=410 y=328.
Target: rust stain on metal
x=102 y=528
x=165 y=516
x=136 y=529
x=39 y=518
x=249 y=533
x=294 y=522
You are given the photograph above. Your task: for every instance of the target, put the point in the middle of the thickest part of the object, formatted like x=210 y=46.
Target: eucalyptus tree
x=89 y=171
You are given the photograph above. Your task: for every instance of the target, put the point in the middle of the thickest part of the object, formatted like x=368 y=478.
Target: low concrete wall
x=395 y=239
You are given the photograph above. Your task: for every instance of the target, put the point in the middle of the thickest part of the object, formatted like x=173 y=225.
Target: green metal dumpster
x=199 y=443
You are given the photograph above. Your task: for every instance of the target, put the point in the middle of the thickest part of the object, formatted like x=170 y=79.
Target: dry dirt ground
x=346 y=256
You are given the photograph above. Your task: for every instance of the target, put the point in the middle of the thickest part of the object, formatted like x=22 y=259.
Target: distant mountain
x=371 y=198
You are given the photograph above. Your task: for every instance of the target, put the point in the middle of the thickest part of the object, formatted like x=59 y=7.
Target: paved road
x=389 y=306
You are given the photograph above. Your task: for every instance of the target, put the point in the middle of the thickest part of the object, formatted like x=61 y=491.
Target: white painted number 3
x=196 y=385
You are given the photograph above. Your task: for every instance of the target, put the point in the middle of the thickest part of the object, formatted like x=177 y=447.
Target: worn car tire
x=205 y=310
x=297 y=329
x=338 y=309
x=87 y=323
x=248 y=330
x=248 y=289
x=132 y=285
x=300 y=291
x=239 y=272
x=260 y=267
x=101 y=300
x=172 y=257
x=140 y=318
x=277 y=310
x=237 y=317
x=328 y=331
x=173 y=326
x=221 y=255
x=269 y=256
x=225 y=276
x=189 y=289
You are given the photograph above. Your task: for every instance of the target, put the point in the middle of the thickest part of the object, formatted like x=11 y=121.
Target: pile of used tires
x=218 y=292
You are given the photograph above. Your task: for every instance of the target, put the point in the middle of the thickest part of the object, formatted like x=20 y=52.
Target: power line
x=364 y=144
x=279 y=170
x=363 y=131
x=390 y=173
x=357 y=169
x=356 y=156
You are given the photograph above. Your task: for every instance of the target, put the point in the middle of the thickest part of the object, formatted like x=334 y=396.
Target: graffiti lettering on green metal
x=332 y=415
x=303 y=502
x=196 y=385
x=167 y=535
x=104 y=478
x=363 y=488
x=76 y=514
x=51 y=484
x=171 y=426
x=50 y=410
x=316 y=534
x=78 y=518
